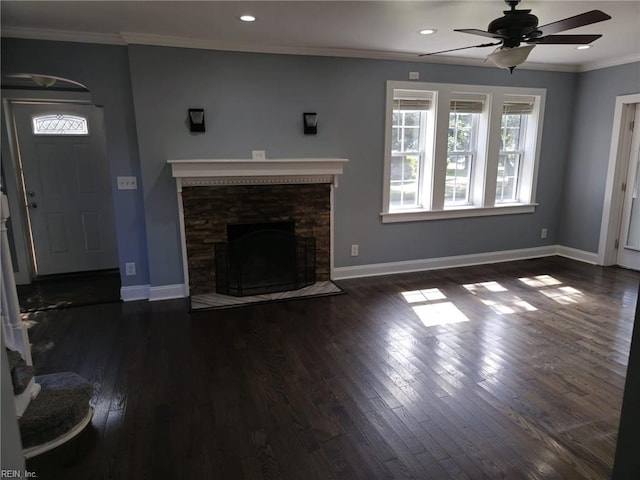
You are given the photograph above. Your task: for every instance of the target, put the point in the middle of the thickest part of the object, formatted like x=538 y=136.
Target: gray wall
x=104 y=69
x=586 y=175
x=255 y=101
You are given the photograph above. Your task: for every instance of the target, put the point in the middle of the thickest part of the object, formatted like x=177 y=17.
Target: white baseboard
x=341 y=273
x=147 y=292
x=575 y=254
x=179 y=290
x=134 y=292
x=167 y=292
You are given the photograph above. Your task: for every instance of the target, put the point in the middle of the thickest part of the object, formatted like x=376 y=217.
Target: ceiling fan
x=521 y=26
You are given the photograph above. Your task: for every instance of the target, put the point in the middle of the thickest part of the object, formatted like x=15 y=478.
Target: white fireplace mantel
x=201 y=172
x=228 y=172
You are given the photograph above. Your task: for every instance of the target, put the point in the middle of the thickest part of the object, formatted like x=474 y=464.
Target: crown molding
x=62 y=35
x=185 y=42
x=612 y=62
x=133 y=38
x=208 y=44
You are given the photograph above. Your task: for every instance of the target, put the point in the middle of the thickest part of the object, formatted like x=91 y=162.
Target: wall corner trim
x=147 y=292
x=134 y=292
x=580 y=255
x=167 y=292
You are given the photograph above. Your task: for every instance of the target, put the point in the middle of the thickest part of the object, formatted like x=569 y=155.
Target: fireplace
x=260 y=258
x=215 y=193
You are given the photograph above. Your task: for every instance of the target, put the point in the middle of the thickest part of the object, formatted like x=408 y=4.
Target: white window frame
x=473 y=157
x=418 y=153
x=484 y=176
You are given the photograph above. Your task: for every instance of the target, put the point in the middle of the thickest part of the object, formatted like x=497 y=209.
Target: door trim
x=24 y=268
x=614 y=196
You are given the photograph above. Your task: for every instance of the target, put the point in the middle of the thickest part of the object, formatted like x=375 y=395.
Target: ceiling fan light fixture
x=583 y=47
x=247 y=18
x=428 y=31
x=510 y=57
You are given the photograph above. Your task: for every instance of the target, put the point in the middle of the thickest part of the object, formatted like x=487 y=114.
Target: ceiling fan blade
x=461 y=48
x=476 y=31
x=565 y=39
x=587 y=18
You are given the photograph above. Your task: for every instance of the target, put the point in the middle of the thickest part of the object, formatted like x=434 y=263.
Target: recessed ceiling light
x=583 y=47
x=248 y=18
x=427 y=31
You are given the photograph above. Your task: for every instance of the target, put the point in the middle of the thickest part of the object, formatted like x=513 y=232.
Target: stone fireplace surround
x=215 y=192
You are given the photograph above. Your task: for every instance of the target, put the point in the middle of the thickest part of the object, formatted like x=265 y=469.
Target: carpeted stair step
x=21 y=373
x=61 y=406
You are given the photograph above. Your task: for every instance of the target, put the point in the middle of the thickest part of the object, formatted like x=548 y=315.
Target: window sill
x=457 y=212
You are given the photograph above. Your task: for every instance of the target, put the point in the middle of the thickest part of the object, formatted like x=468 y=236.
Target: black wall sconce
x=310 y=122
x=196 y=119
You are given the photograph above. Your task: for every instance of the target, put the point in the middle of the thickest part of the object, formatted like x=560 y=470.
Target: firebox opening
x=263 y=258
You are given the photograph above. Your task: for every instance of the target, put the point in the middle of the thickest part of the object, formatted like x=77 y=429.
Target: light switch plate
x=127 y=183
x=258 y=154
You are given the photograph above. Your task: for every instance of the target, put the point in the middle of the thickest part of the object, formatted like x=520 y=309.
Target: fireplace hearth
x=261 y=258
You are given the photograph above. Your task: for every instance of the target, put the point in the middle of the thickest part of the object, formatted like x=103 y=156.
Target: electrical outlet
x=543 y=233
x=355 y=250
x=130 y=269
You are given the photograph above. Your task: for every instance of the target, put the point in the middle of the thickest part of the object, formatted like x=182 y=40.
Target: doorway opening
x=620 y=220
x=59 y=188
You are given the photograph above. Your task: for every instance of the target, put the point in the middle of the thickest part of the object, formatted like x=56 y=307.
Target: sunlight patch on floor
x=513 y=304
x=476 y=288
x=432 y=309
x=564 y=295
x=540 y=281
x=428 y=295
x=439 y=314
x=498 y=298
x=554 y=289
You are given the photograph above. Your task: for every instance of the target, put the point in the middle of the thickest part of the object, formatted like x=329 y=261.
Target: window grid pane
x=406 y=158
x=458 y=178
x=459 y=158
x=508 y=167
x=404 y=181
x=510 y=159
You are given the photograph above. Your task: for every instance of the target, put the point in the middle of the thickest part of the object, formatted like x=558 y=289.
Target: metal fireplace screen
x=264 y=258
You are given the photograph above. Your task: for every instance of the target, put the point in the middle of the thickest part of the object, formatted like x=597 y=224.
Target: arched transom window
x=60 y=124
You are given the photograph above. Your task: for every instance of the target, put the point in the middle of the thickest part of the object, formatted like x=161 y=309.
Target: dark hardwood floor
x=379 y=383
x=70 y=290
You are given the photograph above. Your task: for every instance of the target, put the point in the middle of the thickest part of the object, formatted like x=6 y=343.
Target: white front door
x=67 y=185
x=629 y=238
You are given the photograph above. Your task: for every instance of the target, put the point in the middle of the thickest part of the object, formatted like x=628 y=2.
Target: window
x=460 y=150
x=409 y=129
x=515 y=112
x=60 y=124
